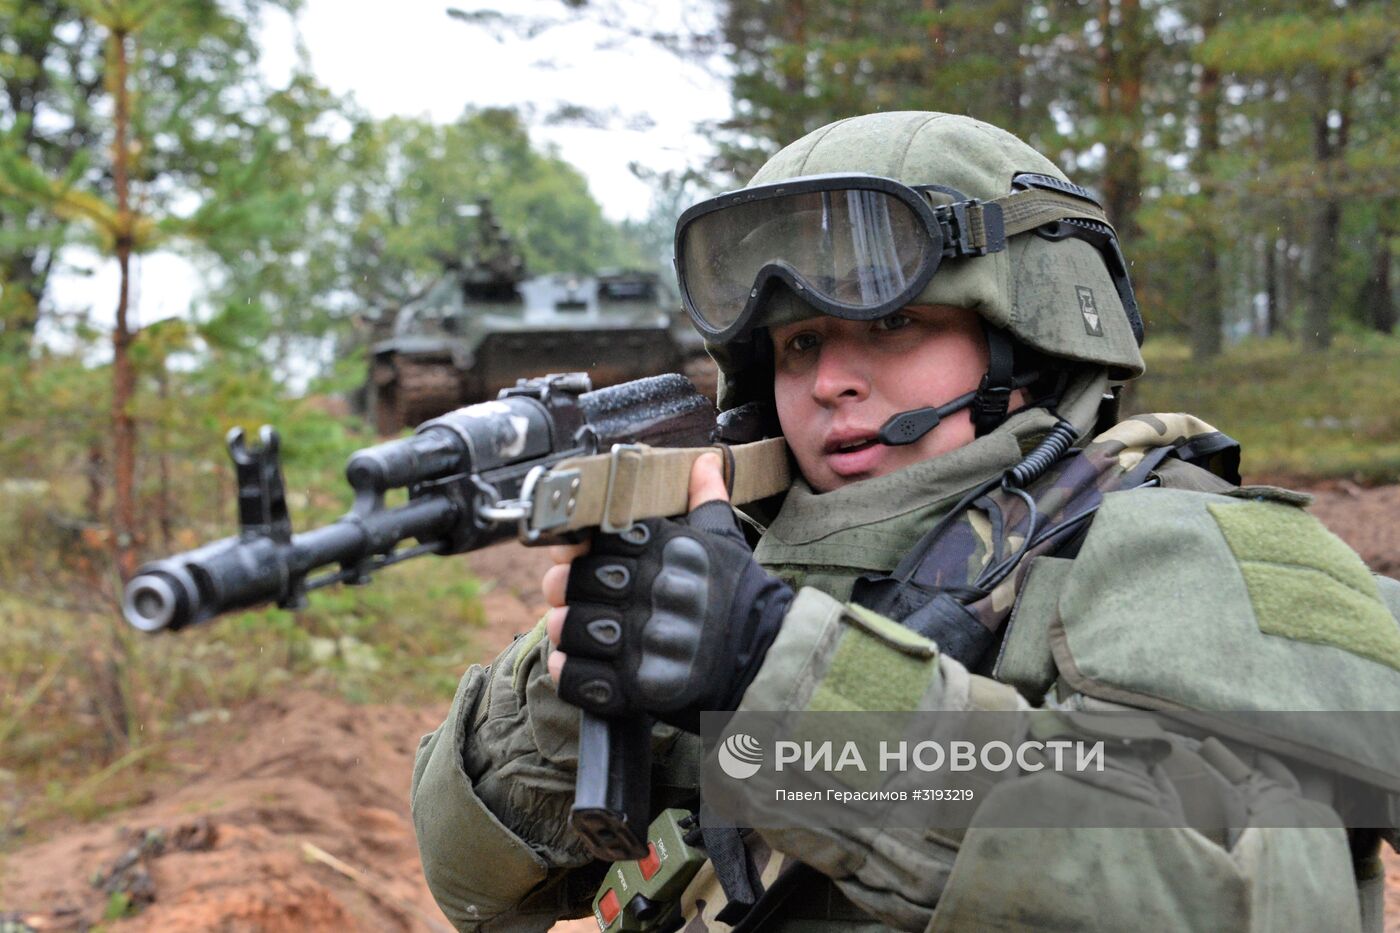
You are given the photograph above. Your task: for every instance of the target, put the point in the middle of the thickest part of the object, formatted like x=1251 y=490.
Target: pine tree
x=165 y=69
x=1304 y=73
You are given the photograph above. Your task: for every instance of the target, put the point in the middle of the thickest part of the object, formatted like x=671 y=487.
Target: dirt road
x=293 y=816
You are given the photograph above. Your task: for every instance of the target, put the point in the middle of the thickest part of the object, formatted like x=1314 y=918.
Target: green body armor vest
x=1194 y=596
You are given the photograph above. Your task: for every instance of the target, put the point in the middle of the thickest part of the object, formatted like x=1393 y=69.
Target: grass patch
x=405 y=638
x=89 y=708
x=1305 y=416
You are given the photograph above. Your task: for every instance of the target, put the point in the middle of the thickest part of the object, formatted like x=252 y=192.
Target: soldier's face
x=836 y=382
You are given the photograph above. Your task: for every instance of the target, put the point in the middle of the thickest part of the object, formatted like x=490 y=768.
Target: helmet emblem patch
x=1093 y=324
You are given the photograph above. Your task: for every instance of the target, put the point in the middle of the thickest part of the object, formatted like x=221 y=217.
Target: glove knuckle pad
x=607 y=632
x=664 y=683
x=671 y=638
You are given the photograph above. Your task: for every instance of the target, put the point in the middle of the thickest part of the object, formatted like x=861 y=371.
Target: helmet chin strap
x=989 y=402
x=993 y=397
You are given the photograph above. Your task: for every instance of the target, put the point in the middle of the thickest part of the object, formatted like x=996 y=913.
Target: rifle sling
x=635 y=481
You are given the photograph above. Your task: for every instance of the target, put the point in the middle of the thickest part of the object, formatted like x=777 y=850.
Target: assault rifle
x=546 y=461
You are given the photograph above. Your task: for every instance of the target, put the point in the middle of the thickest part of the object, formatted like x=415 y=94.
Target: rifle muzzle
x=150 y=602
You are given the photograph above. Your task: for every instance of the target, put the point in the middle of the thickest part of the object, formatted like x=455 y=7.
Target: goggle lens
x=853 y=247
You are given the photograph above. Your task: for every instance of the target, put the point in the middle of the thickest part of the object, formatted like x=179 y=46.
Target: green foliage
x=1297 y=416
x=1233 y=146
x=308 y=218
x=199 y=110
x=800 y=65
x=1257 y=43
x=406 y=637
x=119 y=905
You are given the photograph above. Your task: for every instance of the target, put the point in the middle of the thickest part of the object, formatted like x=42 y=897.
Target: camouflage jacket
x=492 y=787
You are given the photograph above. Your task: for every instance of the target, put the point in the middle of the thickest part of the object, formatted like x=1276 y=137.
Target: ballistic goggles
x=854 y=246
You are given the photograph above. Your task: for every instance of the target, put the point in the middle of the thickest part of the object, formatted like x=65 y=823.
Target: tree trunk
x=1380 y=297
x=163 y=462
x=934 y=34
x=1271 y=290
x=794 y=73
x=1322 y=276
x=96 y=479
x=1288 y=288
x=1330 y=148
x=19 y=305
x=1207 y=318
x=1121 y=63
x=123 y=376
x=1380 y=310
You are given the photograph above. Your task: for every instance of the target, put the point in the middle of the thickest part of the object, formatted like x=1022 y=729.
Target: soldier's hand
x=670 y=617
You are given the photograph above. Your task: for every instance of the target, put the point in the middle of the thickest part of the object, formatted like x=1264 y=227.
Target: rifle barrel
x=445 y=466
x=239 y=573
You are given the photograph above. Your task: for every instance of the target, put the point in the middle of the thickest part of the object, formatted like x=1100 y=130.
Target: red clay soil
x=294 y=816
x=299 y=770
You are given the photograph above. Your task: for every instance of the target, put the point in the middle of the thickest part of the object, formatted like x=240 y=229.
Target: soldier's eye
x=893 y=322
x=802 y=342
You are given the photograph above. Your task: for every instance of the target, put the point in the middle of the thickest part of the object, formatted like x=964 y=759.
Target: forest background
x=1250 y=157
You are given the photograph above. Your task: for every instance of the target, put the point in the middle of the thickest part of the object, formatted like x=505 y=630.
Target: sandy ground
x=294 y=815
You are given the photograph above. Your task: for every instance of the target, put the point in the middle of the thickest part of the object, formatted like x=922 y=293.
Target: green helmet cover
x=1054 y=296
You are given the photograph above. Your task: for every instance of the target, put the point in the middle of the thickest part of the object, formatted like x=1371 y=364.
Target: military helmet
x=1012 y=239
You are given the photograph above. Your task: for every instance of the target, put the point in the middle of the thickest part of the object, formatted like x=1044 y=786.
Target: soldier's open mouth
x=855 y=458
x=847 y=441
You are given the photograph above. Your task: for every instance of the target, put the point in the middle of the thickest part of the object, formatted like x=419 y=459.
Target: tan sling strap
x=635 y=481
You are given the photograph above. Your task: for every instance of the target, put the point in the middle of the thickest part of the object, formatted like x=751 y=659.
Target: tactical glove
x=668 y=618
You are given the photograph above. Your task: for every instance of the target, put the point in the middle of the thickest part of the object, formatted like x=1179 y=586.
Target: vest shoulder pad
x=1243 y=602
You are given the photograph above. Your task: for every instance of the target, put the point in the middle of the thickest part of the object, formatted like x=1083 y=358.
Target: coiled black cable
x=1051 y=448
x=1045 y=454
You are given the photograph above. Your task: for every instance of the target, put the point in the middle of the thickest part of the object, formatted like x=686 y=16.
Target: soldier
x=937 y=321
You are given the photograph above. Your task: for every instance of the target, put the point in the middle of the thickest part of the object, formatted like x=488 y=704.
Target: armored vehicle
x=479 y=329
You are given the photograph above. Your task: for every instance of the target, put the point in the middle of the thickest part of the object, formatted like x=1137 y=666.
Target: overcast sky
x=410 y=58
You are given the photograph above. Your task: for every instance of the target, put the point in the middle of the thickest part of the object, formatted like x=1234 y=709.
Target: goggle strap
x=975 y=228
x=971 y=228
x=1026 y=210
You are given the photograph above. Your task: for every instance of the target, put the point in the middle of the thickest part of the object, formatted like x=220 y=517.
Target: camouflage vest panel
x=977 y=556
